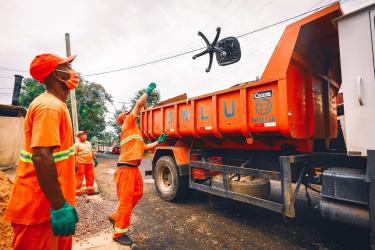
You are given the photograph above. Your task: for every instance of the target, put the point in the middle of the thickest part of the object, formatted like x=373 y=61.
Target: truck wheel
x=169 y=184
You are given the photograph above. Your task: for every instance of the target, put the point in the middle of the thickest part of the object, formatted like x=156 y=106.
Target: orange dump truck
x=283 y=127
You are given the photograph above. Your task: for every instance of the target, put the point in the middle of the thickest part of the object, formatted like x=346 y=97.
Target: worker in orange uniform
x=41 y=206
x=85 y=163
x=128 y=178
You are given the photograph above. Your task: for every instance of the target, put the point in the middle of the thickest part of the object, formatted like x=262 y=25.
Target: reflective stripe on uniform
x=25 y=156
x=63 y=155
x=130 y=137
x=84 y=152
x=121 y=231
x=57 y=156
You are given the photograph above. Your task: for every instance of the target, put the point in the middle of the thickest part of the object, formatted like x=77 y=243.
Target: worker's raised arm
x=142 y=100
x=160 y=140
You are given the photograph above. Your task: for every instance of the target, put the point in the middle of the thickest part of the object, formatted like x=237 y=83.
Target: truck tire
x=169 y=184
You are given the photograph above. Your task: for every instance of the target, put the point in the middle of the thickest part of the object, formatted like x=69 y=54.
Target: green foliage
x=113 y=122
x=91 y=105
x=30 y=89
x=108 y=138
x=151 y=101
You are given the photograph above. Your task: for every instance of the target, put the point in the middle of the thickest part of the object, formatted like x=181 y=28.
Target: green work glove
x=95 y=162
x=150 y=88
x=162 y=138
x=63 y=220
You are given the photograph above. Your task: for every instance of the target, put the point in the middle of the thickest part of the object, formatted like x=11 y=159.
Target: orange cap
x=121 y=118
x=79 y=133
x=44 y=64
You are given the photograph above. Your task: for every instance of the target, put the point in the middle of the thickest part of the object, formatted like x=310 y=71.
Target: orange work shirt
x=47 y=124
x=83 y=152
x=132 y=146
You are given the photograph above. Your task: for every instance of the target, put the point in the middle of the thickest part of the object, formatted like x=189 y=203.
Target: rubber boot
x=124 y=240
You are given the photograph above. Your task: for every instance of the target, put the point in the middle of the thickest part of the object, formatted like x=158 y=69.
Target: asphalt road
x=193 y=224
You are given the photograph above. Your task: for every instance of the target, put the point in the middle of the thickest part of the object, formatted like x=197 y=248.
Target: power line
x=146 y=63
x=10 y=69
x=289 y=19
x=194 y=50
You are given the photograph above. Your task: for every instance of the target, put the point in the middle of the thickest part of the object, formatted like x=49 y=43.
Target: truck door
x=357 y=50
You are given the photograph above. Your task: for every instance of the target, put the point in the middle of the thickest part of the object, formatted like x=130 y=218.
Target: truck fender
x=180 y=155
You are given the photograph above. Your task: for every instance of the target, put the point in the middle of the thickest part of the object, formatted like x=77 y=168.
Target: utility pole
x=73 y=100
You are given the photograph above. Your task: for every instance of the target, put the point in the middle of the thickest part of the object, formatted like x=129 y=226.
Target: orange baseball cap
x=79 y=133
x=121 y=118
x=44 y=64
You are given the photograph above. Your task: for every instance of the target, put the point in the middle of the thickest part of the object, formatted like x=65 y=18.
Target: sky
x=113 y=34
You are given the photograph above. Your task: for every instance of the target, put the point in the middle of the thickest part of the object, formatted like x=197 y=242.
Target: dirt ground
x=193 y=224
x=5 y=227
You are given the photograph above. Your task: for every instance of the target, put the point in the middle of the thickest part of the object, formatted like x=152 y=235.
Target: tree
x=152 y=100
x=92 y=99
x=91 y=105
x=108 y=138
x=113 y=122
x=30 y=89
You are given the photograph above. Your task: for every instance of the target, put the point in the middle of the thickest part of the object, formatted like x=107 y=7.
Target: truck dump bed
x=293 y=103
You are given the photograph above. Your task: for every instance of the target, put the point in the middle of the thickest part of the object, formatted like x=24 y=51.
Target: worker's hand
x=95 y=162
x=162 y=138
x=63 y=220
x=150 y=88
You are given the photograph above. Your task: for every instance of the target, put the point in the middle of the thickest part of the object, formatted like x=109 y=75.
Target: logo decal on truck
x=263 y=106
x=263 y=94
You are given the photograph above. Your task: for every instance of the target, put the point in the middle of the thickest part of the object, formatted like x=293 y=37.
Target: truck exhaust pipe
x=345 y=213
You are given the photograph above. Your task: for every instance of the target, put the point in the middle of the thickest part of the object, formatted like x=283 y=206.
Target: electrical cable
x=197 y=49
x=239 y=36
x=289 y=19
x=10 y=69
x=146 y=63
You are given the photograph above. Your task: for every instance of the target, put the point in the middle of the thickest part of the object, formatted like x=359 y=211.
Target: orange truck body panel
x=290 y=104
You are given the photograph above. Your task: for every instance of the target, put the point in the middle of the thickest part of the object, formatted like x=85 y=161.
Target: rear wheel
x=169 y=184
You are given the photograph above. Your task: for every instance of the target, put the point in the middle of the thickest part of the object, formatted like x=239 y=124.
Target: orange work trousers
x=129 y=185
x=39 y=236
x=85 y=170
